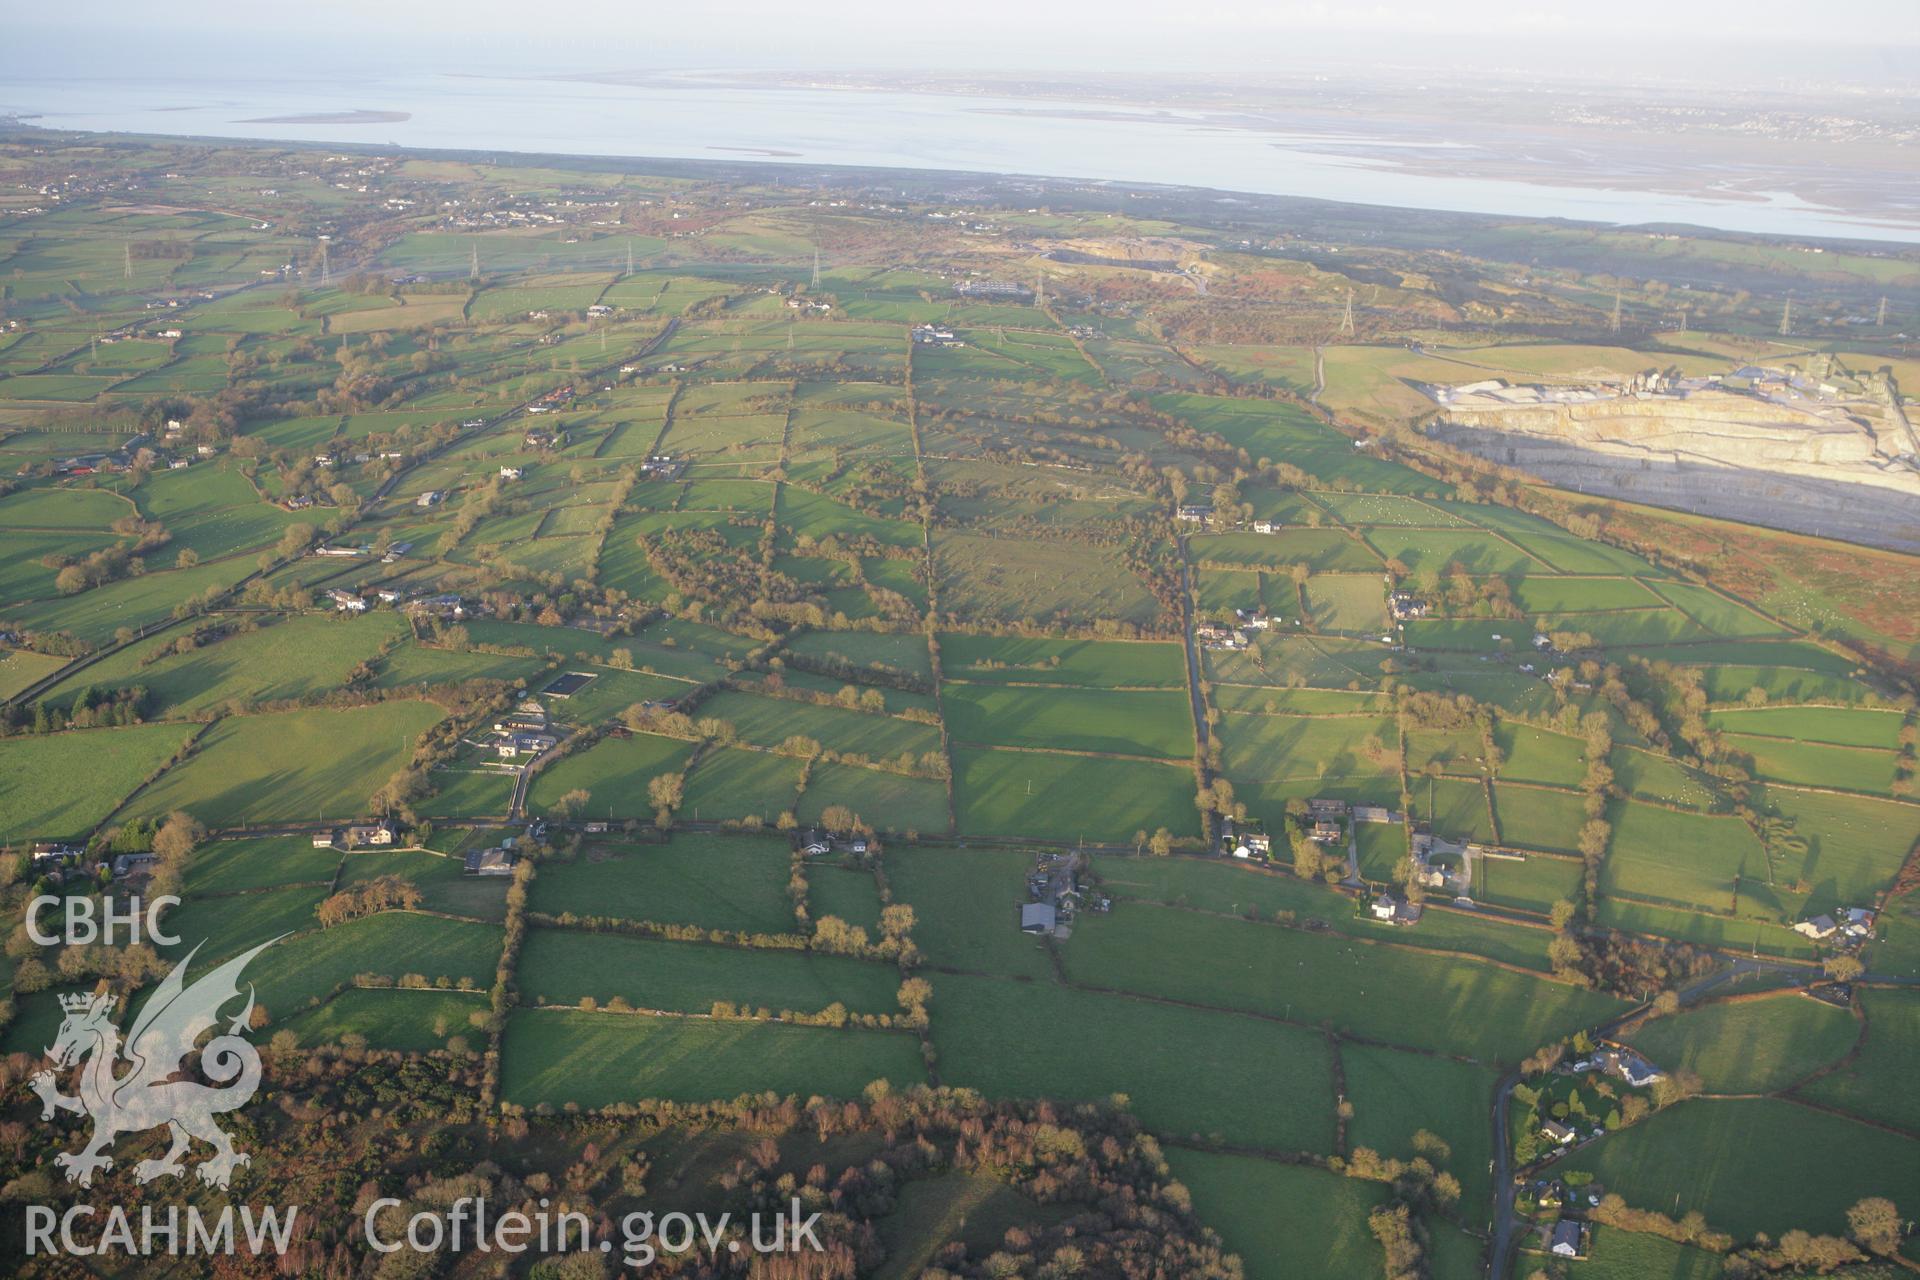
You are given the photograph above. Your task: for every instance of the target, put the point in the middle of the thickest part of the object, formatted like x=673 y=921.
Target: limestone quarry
x=1829 y=454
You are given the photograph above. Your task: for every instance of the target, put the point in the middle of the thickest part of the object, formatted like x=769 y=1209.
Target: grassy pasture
x=1733 y=933
x=1875 y=1083
x=410 y=1021
x=1837 y=726
x=288 y=658
x=1441 y=549
x=1093 y=664
x=561 y=966
x=613 y=772
x=1045 y=795
x=730 y=782
x=21 y=668
x=1421 y=1000
x=60 y=786
x=1856 y=844
x=1538 y=818
x=1397 y=1094
x=1273 y=758
x=1533 y=885
x=227 y=866
x=966 y=906
x=441 y=878
x=289 y=765
x=1339 y=602
x=1537 y=593
x=1235 y=889
x=1284 y=1220
x=1679 y=858
x=1321 y=550
x=848 y=893
x=1042 y=1040
x=1012 y=579
x=903 y=652
x=1750 y=1046
x=716 y=882
x=768 y=721
x=1158 y=723
x=889 y=801
x=557 y=1056
x=1613 y=1254
x=1724 y=1157
x=1536 y=755
x=294 y=974
x=1716 y=612
x=1813 y=764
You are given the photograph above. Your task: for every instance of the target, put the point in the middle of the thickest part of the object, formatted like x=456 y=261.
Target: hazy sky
x=1757 y=39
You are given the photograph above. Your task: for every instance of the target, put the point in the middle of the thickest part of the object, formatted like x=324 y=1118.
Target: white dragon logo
x=146 y=1096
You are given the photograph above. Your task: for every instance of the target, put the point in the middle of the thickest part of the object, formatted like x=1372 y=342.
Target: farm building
x=1394 y=910
x=1038 y=917
x=374 y=833
x=497 y=861
x=1569 y=1238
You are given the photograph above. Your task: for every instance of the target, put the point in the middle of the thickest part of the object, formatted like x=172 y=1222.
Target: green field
x=1090 y=664
x=409 y=1021
x=1020 y=1040
x=1061 y=797
x=289 y=766
x=556 y=1056
x=967 y=908
x=288 y=659
x=1750 y=1046
x=613 y=772
x=1282 y=1218
x=1874 y=1083
x=559 y=966
x=1110 y=722
x=1395 y=1095
x=1421 y=1000
x=1613 y=1254
x=1724 y=1157
x=717 y=882
x=63 y=785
